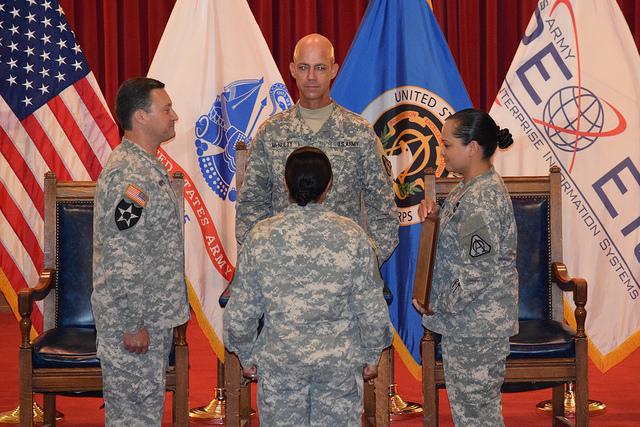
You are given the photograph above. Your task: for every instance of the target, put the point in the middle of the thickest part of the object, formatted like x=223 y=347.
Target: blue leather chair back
x=74 y=264
x=533 y=259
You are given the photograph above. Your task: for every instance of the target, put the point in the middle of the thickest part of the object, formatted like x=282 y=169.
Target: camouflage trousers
x=474 y=373
x=134 y=384
x=290 y=397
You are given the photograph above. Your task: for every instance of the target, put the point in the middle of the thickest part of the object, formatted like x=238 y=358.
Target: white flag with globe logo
x=223 y=83
x=572 y=98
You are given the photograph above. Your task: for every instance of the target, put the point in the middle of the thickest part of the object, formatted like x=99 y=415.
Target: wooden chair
x=62 y=360
x=546 y=352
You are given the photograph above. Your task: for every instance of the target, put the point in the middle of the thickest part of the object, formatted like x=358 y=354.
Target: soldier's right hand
x=137 y=342
x=428 y=209
x=427 y=311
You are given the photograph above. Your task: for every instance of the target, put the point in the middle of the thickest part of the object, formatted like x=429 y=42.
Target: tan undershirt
x=316 y=118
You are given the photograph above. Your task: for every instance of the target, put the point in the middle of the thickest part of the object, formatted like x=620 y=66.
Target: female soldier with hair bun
x=314 y=277
x=474 y=295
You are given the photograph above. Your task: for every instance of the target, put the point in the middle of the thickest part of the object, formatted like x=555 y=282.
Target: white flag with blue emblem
x=572 y=98
x=223 y=83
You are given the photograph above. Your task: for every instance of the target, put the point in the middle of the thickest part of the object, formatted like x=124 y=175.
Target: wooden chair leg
x=369 y=402
x=381 y=390
x=582 y=383
x=245 y=405
x=429 y=389
x=26 y=387
x=50 y=409
x=557 y=404
x=582 y=403
x=180 y=411
x=232 y=385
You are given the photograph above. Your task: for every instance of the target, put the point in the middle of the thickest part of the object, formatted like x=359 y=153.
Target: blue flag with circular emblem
x=399 y=74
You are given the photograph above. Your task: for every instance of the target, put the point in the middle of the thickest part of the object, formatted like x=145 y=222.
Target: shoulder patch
x=136 y=195
x=127 y=215
x=478 y=246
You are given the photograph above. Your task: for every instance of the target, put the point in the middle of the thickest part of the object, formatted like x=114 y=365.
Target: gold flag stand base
x=213 y=413
x=399 y=409
x=596 y=407
x=13 y=417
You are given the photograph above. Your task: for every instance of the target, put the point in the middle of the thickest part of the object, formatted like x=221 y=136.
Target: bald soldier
x=349 y=141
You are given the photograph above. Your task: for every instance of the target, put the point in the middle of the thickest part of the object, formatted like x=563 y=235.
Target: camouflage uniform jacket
x=138 y=252
x=475 y=282
x=356 y=159
x=314 y=276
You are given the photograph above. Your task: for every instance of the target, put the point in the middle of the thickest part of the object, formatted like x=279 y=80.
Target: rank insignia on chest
x=127 y=214
x=478 y=246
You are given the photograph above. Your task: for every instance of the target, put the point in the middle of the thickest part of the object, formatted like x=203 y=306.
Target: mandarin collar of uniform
x=132 y=146
x=306 y=130
x=313 y=208
x=481 y=177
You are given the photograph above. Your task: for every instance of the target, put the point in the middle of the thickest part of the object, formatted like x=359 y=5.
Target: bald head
x=315 y=42
x=314 y=67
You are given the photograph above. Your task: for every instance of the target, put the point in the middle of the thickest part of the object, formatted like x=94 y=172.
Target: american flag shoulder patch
x=136 y=195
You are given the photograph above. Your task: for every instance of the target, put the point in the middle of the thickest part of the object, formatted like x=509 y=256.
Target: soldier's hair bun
x=504 y=138
x=304 y=195
x=476 y=125
x=307 y=175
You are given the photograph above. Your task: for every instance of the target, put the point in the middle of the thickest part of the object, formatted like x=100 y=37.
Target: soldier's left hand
x=370 y=372
x=137 y=342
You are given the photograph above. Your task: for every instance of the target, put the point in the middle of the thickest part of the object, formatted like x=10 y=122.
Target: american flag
x=136 y=194
x=52 y=117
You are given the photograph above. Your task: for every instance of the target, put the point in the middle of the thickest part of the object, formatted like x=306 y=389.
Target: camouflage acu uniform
x=356 y=158
x=475 y=296
x=138 y=281
x=314 y=277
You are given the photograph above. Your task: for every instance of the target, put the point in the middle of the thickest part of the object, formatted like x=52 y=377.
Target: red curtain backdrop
x=119 y=37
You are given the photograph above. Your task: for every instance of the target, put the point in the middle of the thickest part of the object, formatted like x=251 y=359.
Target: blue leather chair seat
x=536 y=339
x=543 y=339
x=65 y=348
x=70 y=348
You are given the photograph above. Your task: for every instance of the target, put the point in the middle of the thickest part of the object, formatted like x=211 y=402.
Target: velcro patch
x=127 y=215
x=478 y=246
x=136 y=195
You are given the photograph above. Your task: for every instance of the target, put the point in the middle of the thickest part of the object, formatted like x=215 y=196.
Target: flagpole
x=214 y=411
x=399 y=409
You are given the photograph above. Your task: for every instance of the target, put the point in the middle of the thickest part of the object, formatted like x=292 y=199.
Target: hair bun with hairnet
x=504 y=138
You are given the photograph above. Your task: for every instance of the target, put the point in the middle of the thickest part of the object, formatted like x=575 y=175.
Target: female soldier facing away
x=474 y=296
x=314 y=277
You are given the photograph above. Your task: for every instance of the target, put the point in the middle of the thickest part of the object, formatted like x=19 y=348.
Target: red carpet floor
x=618 y=388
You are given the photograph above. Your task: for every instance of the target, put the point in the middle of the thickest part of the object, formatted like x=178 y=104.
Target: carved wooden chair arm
x=26 y=298
x=576 y=285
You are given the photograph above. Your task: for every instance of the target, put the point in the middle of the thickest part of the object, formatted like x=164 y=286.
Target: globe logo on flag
x=575 y=117
x=231 y=120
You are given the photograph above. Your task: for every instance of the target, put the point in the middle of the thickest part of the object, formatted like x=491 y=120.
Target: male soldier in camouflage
x=348 y=140
x=139 y=293
x=474 y=299
x=313 y=275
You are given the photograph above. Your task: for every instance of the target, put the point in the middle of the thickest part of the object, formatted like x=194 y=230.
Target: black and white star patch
x=127 y=215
